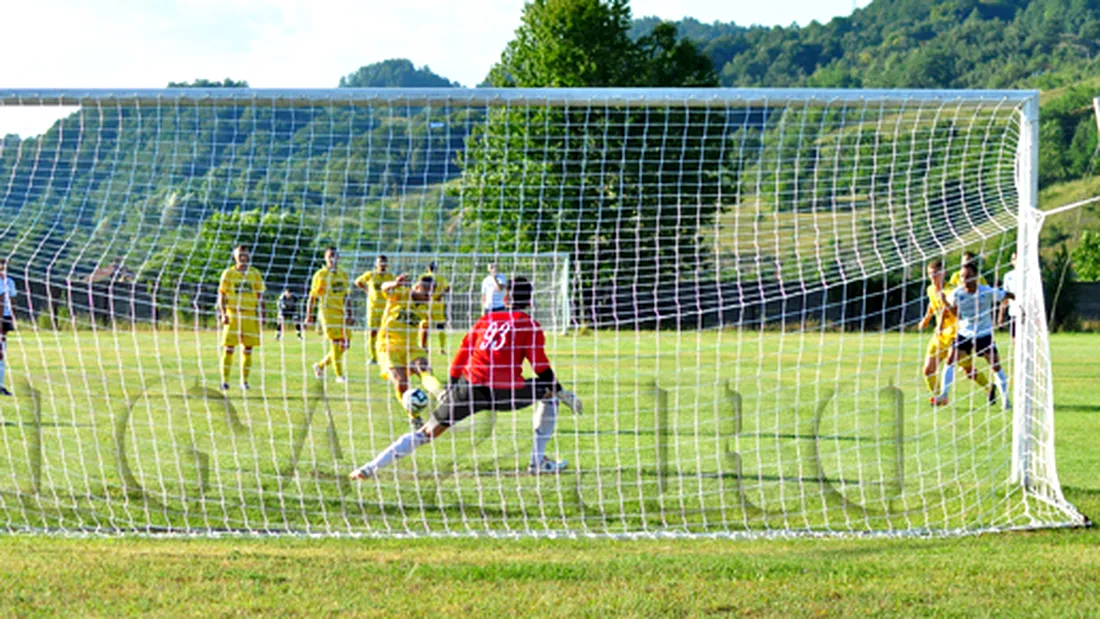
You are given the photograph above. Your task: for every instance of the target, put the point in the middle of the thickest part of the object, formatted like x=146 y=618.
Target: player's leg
x=459 y=401
x=545 y=421
x=933 y=356
x=339 y=347
x=960 y=346
x=297 y=327
x=250 y=338
x=279 y=326
x=994 y=358
x=246 y=366
x=399 y=378
x=441 y=330
x=319 y=367
x=423 y=368
x=967 y=364
x=3 y=358
x=226 y=365
x=374 y=320
x=230 y=338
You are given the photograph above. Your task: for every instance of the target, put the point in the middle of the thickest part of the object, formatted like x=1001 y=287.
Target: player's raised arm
x=400 y=280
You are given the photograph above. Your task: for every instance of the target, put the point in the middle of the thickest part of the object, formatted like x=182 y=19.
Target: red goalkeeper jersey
x=492 y=353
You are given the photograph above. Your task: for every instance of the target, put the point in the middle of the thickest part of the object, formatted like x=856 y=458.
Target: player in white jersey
x=1010 y=284
x=974 y=305
x=7 y=324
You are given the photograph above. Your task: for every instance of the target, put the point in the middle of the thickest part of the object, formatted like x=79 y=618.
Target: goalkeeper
x=487 y=374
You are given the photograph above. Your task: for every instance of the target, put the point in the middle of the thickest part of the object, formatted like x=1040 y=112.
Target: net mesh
x=730 y=281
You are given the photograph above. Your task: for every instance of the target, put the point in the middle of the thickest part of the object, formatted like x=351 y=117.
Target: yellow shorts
x=336 y=333
x=398 y=353
x=940 y=349
x=438 y=313
x=374 y=317
x=242 y=330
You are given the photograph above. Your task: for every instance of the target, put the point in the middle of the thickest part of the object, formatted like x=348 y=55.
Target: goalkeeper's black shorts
x=461 y=399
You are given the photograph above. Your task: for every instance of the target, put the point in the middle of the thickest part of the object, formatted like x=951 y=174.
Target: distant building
x=111 y=273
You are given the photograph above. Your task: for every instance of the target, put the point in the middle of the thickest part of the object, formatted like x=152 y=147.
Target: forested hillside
x=973 y=44
x=912 y=44
x=133 y=181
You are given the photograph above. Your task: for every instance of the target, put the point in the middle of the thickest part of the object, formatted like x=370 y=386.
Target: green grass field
x=832 y=406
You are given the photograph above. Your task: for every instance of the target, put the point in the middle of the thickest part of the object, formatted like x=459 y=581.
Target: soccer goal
x=733 y=282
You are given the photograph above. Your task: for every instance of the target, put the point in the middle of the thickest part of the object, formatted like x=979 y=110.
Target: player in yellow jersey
x=372 y=282
x=438 y=313
x=403 y=338
x=241 y=309
x=957 y=277
x=328 y=292
x=939 y=347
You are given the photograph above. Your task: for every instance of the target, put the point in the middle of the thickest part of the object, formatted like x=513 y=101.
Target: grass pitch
x=1048 y=572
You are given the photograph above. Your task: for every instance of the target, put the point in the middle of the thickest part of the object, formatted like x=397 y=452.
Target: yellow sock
x=397 y=393
x=933 y=382
x=227 y=362
x=246 y=366
x=338 y=359
x=328 y=359
x=370 y=346
x=982 y=378
x=442 y=340
x=431 y=384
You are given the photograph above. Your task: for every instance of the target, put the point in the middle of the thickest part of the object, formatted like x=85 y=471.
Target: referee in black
x=288 y=312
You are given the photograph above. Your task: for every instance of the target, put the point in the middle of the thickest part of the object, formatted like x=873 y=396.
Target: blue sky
x=289 y=43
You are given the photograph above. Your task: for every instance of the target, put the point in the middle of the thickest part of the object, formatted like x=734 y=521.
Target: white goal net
x=732 y=281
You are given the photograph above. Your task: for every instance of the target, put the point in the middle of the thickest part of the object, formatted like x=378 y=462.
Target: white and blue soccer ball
x=415 y=401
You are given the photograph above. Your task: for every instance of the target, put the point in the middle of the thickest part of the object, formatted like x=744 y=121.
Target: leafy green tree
x=284 y=245
x=1086 y=257
x=1059 y=294
x=205 y=83
x=394 y=73
x=548 y=179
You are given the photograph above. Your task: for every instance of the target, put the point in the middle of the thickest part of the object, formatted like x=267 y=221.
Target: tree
x=205 y=83
x=1086 y=257
x=284 y=245
x=1060 y=296
x=550 y=179
x=394 y=73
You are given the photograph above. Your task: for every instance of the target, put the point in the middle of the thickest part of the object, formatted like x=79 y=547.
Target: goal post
x=1096 y=110
x=733 y=281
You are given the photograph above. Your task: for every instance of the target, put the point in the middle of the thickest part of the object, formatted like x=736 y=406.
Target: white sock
x=400 y=448
x=546 y=419
x=1002 y=384
x=3 y=369
x=948 y=378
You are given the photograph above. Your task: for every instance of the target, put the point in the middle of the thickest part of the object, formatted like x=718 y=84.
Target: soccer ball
x=415 y=401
